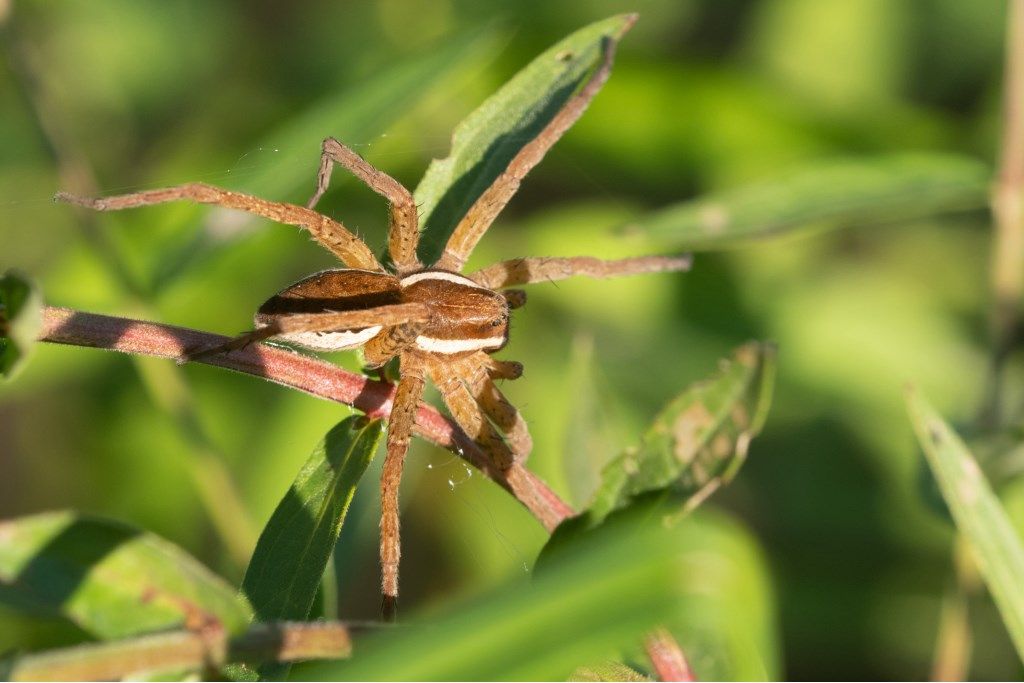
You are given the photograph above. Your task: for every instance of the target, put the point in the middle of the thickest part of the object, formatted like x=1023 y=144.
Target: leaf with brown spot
x=110 y=579
x=699 y=440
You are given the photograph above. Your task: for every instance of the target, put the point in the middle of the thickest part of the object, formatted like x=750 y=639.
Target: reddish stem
x=311 y=375
x=667 y=657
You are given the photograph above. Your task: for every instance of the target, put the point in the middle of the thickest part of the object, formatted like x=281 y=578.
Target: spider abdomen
x=332 y=291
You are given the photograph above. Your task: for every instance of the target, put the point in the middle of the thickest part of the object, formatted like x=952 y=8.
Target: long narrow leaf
x=110 y=579
x=284 y=573
x=977 y=512
x=485 y=142
x=829 y=195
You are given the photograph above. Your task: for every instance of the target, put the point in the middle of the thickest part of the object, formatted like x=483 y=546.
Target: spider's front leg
x=328 y=232
x=403 y=416
x=478 y=372
x=467 y=412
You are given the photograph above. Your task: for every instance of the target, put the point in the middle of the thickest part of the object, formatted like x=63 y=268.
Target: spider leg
x=403 y=228
x=328 y=232
x=403 y=415
x=333 y=321
x=491 y=202
x=475 y=372
x=523 y=271
x=467 y=412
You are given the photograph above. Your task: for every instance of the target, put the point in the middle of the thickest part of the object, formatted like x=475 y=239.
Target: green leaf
x=485 y=142
x=977 y=512
x=21 y=317
x=291 y=554
x=110 y=579
x=699 y=440
x=582 y=607
x=830 y=195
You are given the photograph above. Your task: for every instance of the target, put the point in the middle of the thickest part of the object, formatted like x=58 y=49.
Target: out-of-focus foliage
x=21 y=307
x=707 y=98
x=109 y=579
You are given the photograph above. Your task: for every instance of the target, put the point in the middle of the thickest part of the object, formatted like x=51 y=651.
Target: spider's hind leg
x=403 y=227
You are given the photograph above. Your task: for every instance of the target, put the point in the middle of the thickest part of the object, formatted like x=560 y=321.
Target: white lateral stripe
x=332 y=341
x=439 y=275
x=457 y=345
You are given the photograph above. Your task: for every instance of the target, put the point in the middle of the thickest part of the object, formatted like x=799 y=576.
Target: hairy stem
x=667 y=657
x=311 y=375
x=185 y=651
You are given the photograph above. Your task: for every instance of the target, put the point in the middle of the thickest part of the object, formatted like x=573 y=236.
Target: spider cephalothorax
x=439 y=323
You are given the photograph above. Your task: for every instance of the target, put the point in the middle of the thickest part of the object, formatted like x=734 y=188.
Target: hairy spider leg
x=403 y=227
x=475 y=372
x=328 y=232
x=334 y=321
x=468 y=413
x=492 y=201
x=525 y=271
x=400 y=425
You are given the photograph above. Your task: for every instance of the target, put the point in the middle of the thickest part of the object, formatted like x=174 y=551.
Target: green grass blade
x=284 y=573
x=110 y=579
x=21 y=316
x=699 y=440
x=835 y=194
x=584 y=607
x=977 y=512
x=485 y=142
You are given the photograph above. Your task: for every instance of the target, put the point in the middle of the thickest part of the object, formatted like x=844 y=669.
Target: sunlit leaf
x=21 y=316
x=110 y=579
x=830 y=195
x=699 y=440
x=485 y=142
x=977 y=512
x=293 y=549
x=596 y=600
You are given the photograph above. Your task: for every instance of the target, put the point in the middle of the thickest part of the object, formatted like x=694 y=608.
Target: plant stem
x=311 y=375
x=1008 y=211
x=953 y=643
x=953 y=647
x=667 y=657
x=185 y=651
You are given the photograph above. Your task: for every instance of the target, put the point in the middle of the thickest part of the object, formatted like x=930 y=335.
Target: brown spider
x=439 y=323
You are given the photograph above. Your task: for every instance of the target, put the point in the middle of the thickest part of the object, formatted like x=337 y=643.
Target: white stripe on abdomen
x=332 y=341
x=457 y=345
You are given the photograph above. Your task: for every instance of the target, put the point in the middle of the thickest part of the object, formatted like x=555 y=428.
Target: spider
x=440 y=324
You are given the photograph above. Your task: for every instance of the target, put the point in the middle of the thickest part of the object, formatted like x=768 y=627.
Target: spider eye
x=497 y=322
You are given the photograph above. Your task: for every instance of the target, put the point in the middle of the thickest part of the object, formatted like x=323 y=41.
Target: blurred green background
x=706 y=95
